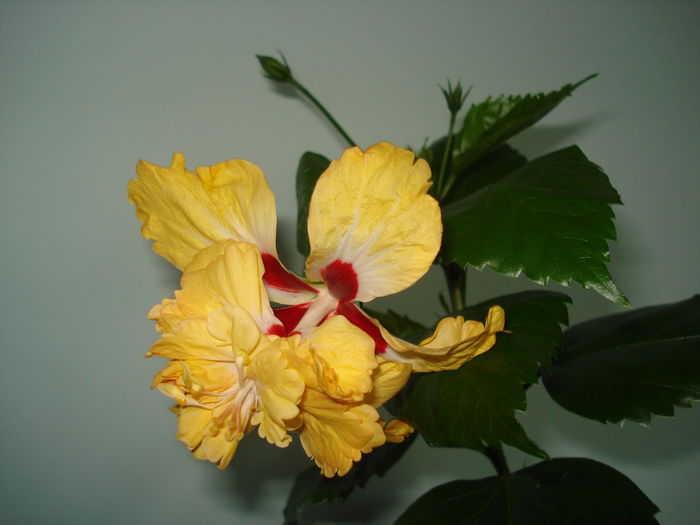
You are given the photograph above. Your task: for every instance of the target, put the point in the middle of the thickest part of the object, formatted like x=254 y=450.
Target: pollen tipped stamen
x=235 y=418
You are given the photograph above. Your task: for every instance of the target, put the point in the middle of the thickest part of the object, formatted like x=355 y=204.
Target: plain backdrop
x=88 y=88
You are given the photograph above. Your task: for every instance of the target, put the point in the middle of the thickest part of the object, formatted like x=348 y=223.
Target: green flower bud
x=274 y=69
x=454 y=96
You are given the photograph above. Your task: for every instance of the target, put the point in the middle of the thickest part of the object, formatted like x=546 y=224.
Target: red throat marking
x=290 y=316
x=341 y=279
x=277 y=329
x=277 y=276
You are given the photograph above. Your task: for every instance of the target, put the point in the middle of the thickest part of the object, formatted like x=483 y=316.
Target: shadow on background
x=260 y=469
x=542 y=139
x=255 y=470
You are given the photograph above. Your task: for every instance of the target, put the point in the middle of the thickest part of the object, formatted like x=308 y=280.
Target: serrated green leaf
x=569 y=491
x=474 y=406
x=491 y=123
x=311 y=166
x=311 y=488
x=398 y=324
x=630 y=365
x=487 y=170
x=548 y=219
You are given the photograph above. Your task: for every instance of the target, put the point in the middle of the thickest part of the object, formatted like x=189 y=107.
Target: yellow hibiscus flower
x=319 y=366
x=225 y=373
x=229 y=371
x=373 y=231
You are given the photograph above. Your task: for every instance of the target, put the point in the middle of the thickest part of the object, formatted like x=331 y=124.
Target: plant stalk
x=498 y=460
x=322 y=109
x=448 y=187
x=456 y=278
x=446 y=156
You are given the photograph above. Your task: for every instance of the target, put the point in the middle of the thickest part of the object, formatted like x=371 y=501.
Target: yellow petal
x=184 y=213
x=172 y=391
x=234 y=326
x=222 y=277
x=370 y=215
x=219 y=449
x=344 y=359
x=171 y=372
x=166 y=315
x=454 y=342
x=279 y=391
x=387 y=380
x=397 y=430
x=206 y=256
x=244 y=200
x=191 y=339
x=336 y=434
x=209 y=377
x=192 y=425
x=206 y=439
x=298 y=355
x=197 y=382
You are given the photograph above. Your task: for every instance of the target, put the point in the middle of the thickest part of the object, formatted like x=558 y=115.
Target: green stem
x=446 y=156
x=322 y=109
x=456 y=278
x=448 y=187
x=498 y=460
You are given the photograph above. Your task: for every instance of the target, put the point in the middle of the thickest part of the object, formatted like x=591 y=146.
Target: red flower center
x=341 y=279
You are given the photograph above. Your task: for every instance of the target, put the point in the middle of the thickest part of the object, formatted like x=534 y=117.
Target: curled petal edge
x=454 y=342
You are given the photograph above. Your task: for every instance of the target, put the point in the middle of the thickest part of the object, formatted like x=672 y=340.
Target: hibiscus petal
x=396 y=431
x=279 y=389
x=344 y=359
x=336 y=434
x=192 y=425
x=454 y=342
x=373 y=229
x=184 y=213
x=219 y=449
x=387 y=380
x=227 y=275
x=191 y=339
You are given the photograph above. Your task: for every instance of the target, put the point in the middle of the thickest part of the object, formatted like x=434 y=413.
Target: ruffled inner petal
x=336 y=434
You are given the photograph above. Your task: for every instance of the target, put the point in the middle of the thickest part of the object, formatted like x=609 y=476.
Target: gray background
x=88 y=88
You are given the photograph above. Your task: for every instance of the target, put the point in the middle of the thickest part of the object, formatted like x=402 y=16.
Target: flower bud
x=454 y=96
x=274 y=69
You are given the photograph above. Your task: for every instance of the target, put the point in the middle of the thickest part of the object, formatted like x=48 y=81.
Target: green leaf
x=487 y=170
x=399 y=325
x=311 y=488
x=491 y=123
x=474 y=405
x=561 y=491
x=549 y=219
x=630 y=365
x=311 y=166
